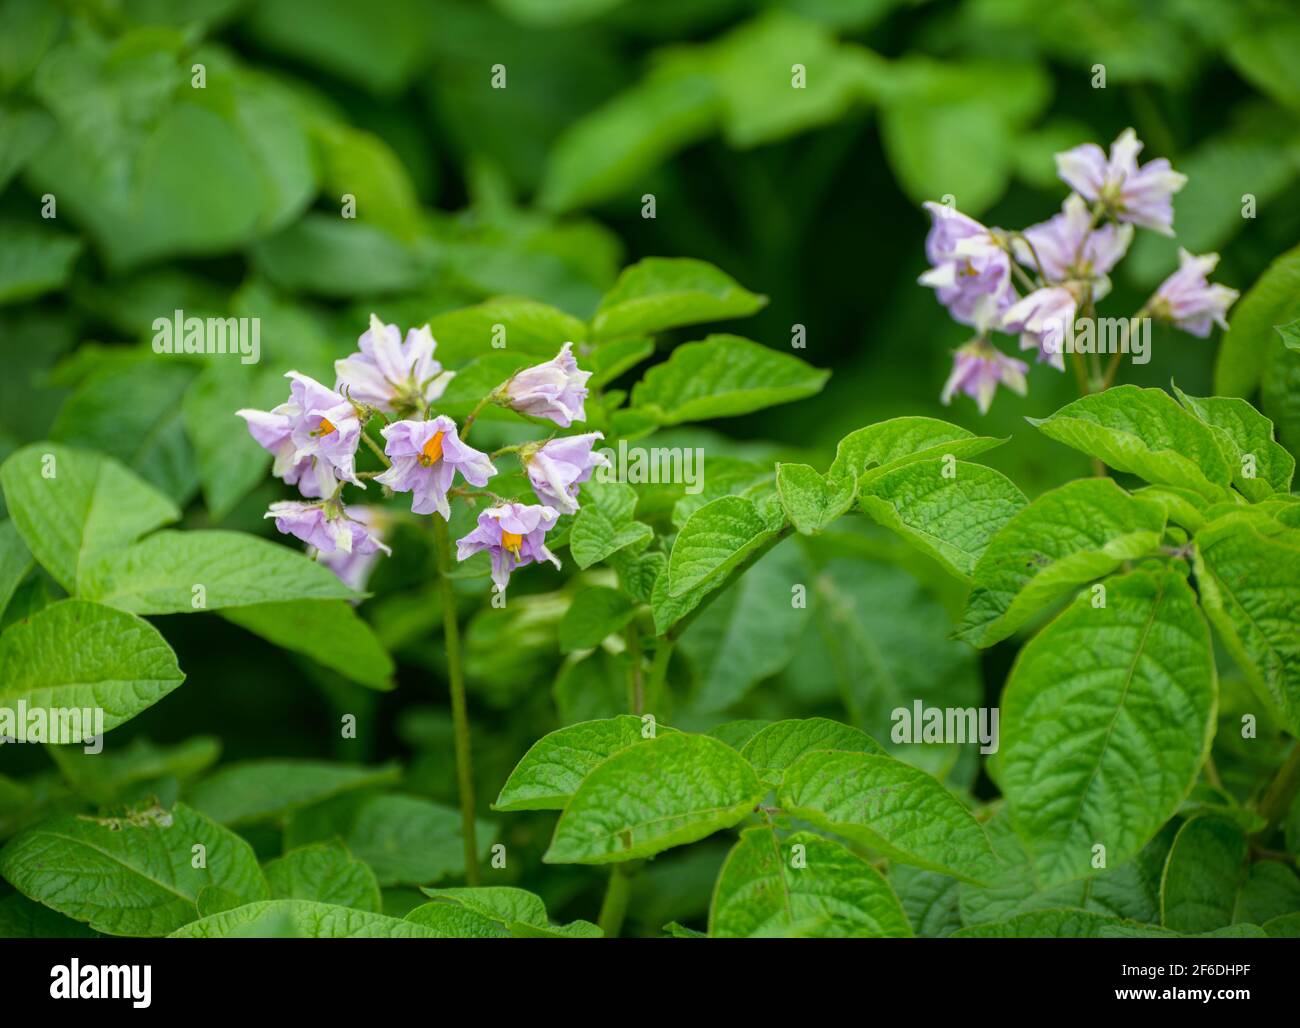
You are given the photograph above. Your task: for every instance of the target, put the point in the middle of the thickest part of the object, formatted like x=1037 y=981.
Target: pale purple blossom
x=559 y=466
x=1069 y=247
x=971 y=271
x=1188 y=300
x=556 y=390
x=978 y=369
x=390 y=374
x=1142 y=196
x=273 y=431
x=426 y=456
x=353 y=567
x=514 y=534
x=1043 y=319
x=324 y=526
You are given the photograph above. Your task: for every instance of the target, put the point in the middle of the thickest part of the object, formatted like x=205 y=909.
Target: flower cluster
x=1063 y=267
x=315 y=434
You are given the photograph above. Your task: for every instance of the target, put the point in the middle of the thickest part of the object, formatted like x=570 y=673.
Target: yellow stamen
x=512 y=542
x=325 y=427
x=432 y=452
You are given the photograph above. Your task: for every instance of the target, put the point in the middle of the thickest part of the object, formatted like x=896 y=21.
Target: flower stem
x=374 y=446
x=459 y=709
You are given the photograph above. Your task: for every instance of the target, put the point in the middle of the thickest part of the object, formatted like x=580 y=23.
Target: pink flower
x=354 y=567
x=426 y=456
x=324 y=526
x=1188 y=300
x=1068 y=246
x=1043 y=318
x=978 y=368
x=389 y=374
x=514 y=534
x=558 y=467
x=971 y=272
x=556 y=390
x=1143 y=196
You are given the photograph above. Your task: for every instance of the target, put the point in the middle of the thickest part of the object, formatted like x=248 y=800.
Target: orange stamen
x=432 y=452
x=325 y=427
x=512 y=541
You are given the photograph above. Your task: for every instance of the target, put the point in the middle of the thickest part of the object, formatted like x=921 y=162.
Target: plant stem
x=636 y=674
x=459 y=709
x=614 y=907
x=1277 y=798
x=374 y=446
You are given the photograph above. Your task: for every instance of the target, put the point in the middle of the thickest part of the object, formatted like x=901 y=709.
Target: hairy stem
x=459 y=709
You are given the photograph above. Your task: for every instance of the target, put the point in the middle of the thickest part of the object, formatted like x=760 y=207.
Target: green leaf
x=270 y=790
x=20 y=918
x=718 y=537
x=1290 y=334
x=1061 y=924
x=301 y=919
x=887 y=445
x=76 y=656
x=1106 y=720
x=801 y=886
x=882 y=803
x=1145 y=432
x=666 y=792
x=70 y=505
x=1074 y=534
x=551 y=771
x=324 y=872
x=495 y=911
x=132 y=875
x=1273 y=300
x=1206 y=866
x=15 y=561
x=949 y=509
x=723 y=376
x=1272 y=890
x=1248 y=572
x=929 y=900
x=230 y=464
x=517 y=324
x=596 y=612
x=325 y=255
x=330 y=632
x=105 y=777
x=658 y=293
x=160 y=574
x=604 y=525
x=812 y=501
x=34 y=260
x=774 y=748
x=363 y=166
x=1261 y=467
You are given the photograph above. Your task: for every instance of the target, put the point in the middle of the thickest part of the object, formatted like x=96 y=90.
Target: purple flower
x=554 y=390
x=514 y=534
x=392 y=375
x=978 y=368
x=426 y=456
x=313 y=435
x=1043 y=318
x=558 y=467
x=1143 y=196
x=354 y=567
x=971 y=271
x=1068 y=246
x=1188 y=300
x=324 y=526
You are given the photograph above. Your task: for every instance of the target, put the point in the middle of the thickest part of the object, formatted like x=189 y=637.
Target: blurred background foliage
x=225 y=200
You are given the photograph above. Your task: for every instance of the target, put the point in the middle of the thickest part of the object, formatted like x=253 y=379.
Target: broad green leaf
x=162 y=574
x=887 y=445
x=330 y=632
x=1261 y=467
x=637 y=572
x=15 y=561
x=1285 y=927
x=658 y=293
x=229 y=463
x=548 y=775
x=929 y=900
x=666 y=792
x=495 y=911
x=1061 y=924
x=882 y=803
x=604 y=525
x=1183 y=507
x=301 y=919
x=596 y=612
x=270 y=790
x=723 y=376
x=325 y=255
x=801 y=886
x=1106 y=720
x=774 y=748
x=1248 y=572
x=950 y=509
x=1272 y=890
x=1074 y=534
x=1145 y=432
x=1273 y=300
x=20 y=918
x=716 y=539
x=736 y=733
x=1290 y=334
x=520 y=325
x=105 y=777
x=359 y=164
x=1205 y=869
x=611 y=359
x=75 y=657
x=70 y=505
x=1279 y=393
x=131 y=875
x=34 y=260
x=406 y=840
x=809 y=499
x=1261 y=52
x=324 y=872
